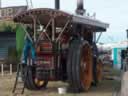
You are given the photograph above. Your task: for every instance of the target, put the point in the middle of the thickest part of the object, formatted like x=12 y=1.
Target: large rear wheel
x=79 y=66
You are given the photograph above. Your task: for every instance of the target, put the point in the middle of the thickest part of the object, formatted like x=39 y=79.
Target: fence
x=6 y=72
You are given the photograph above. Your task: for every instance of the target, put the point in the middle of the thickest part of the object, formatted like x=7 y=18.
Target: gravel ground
x=105 y=88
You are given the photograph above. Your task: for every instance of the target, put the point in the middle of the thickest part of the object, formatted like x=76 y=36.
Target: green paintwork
x=20 y=33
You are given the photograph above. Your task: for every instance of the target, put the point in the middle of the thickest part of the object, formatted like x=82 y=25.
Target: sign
x=10 y=12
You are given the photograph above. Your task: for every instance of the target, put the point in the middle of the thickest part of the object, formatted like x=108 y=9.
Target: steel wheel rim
x=86 y=67
x=38 y=82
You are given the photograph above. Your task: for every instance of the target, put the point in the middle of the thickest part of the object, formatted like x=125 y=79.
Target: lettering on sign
x=9 y=12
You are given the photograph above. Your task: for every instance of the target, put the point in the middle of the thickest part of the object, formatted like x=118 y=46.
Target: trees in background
x=7 y=26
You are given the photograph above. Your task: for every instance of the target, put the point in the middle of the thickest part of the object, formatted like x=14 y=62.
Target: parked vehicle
x=65 y=49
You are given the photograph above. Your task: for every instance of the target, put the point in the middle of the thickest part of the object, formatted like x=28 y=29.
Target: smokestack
x=80 y=7
x=57 y=4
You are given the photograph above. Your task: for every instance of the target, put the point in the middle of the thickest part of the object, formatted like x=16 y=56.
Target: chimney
x=80 y=7
x=57 y=4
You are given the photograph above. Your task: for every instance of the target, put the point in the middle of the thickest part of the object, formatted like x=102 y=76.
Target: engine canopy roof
x=43 y=15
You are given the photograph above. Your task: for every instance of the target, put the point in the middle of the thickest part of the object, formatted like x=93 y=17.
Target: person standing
x=29 y=49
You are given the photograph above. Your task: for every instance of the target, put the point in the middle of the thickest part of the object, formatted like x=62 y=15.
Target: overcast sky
x=114 y=12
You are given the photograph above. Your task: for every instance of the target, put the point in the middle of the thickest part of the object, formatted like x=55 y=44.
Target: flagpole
x=27 y=3
x=31 y=3
x=127 y=37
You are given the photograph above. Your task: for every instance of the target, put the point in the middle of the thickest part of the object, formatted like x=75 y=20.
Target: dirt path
x=105 y=88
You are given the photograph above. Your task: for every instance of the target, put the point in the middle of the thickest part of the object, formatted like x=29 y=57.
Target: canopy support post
x=99 y=37
x=27 y=34
x=53 y=29
x=34 y=26
x=44 y=31
x=63 y=30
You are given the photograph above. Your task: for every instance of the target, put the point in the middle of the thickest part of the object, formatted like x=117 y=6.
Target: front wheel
x=29 y=78
x=31 y=82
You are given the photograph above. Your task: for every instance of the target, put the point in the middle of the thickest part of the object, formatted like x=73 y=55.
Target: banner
x=10 y=12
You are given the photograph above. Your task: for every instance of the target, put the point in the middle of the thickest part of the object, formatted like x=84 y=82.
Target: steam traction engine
x=65 y=48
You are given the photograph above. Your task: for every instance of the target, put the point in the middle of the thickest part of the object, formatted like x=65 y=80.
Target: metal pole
x=67 y=23
x=80 y=7
x=94 y=37
x=0 y=3
x=2 y=69
x=49 y=22
x=127 y=37
x=57 y=4
x=10 y=69
x=27 y=3
x=34 y=20
x=27 y=34
x=99 y=37
x=31 y=3
x=53 y=29
x=127 y=33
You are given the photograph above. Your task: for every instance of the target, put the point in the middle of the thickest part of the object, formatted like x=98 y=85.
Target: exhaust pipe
x=80 y=7
x=57 y=4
